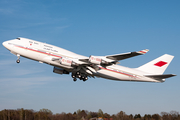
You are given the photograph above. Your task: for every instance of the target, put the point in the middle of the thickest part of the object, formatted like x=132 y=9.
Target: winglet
x=143 y=51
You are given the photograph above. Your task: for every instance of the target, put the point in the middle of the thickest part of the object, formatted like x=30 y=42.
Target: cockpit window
x=18 y=38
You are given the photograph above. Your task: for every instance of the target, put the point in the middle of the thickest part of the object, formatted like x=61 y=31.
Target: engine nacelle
x=65 y=61
x=99 y=61
x=95 y=60
x=60 y=71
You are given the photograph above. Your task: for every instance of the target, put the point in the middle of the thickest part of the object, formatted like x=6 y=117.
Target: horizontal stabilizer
x=160 y=77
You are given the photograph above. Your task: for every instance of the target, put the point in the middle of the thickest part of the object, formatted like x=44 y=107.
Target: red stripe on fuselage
x=118 y=72
x=38 y=51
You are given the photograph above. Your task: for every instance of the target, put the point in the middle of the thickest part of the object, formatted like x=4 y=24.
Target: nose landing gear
x=18 y=60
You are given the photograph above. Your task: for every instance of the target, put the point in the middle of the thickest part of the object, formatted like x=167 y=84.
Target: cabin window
x=18 y=38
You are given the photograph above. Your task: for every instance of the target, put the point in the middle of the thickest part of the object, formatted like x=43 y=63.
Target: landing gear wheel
x=18 y=61
x=73 y=75
x=85 y=79
x=81 y=76
x=74 y=79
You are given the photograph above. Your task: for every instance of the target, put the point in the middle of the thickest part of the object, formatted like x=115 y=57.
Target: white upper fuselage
x=44 y=52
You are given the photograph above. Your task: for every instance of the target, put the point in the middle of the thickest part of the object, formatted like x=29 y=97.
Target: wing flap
x=118 y=57
x=160 y=77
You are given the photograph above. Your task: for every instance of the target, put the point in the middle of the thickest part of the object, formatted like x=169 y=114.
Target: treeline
x=45 y=114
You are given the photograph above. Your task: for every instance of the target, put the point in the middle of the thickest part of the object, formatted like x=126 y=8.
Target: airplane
x=82 y=67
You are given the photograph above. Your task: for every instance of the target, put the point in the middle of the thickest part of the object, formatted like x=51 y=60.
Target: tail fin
x=158 y=65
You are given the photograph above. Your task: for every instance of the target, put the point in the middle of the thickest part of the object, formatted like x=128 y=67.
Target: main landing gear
x=79 y=75
x=18 y=60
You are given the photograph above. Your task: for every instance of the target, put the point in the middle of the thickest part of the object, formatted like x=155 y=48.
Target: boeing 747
x=82 y=67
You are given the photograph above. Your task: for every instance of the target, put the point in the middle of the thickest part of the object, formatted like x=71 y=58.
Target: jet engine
x=60 y=71
x=65 y=61
x=98 y=61
x=95 y=60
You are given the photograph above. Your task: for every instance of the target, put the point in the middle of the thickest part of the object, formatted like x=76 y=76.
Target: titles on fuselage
x=50 y=49
x=45 y=46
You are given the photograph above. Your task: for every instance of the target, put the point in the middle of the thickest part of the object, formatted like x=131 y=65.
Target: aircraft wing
x=122 y=56
x=103 y=60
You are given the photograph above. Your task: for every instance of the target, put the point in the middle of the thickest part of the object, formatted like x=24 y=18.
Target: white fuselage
x=44 y=53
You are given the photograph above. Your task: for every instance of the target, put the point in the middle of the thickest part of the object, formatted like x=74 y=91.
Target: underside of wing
x=118 y=57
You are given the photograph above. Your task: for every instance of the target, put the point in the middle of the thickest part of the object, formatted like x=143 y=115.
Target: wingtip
x=174 y=75
x=143 y=51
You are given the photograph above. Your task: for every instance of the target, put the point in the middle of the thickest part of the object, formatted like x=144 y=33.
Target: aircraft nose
x=5 y=44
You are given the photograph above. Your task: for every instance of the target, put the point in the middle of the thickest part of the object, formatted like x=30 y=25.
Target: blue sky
x=91 y=27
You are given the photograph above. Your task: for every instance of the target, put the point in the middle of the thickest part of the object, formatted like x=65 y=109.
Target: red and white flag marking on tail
x=160 y=63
